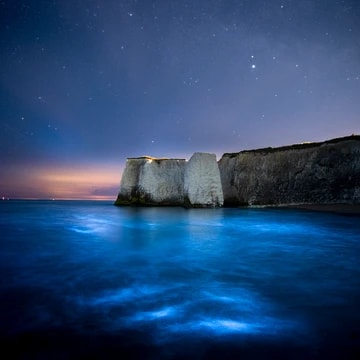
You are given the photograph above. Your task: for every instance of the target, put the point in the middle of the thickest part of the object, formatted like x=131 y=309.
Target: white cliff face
x=202 y=183
x=163 y=180
x=130 y=176
x=149 y=181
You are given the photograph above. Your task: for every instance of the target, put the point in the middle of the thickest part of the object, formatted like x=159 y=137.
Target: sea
x=89 y=280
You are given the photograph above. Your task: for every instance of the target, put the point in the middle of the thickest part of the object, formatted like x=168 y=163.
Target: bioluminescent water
x=82 y=279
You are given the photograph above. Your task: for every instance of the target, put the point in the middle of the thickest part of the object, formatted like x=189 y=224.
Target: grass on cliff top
x=305 y=145
x=146 y=157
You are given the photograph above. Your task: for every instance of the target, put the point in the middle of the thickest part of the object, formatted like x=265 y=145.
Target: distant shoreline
x=349 y=209
x=346 y=209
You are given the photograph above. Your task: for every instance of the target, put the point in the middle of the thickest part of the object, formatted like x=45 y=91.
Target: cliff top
x=152 y=158
x=304 y=145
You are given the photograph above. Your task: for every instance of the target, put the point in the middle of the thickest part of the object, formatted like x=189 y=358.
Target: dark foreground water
x=90 y=280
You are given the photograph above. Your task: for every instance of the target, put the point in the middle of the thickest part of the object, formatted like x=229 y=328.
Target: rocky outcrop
x=151 y=181
x=327 y=172
x=148 y=181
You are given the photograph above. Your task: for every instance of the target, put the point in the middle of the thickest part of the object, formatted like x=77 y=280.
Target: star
x=253 y=66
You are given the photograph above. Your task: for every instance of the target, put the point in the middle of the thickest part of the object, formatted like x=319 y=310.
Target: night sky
x=85 y=84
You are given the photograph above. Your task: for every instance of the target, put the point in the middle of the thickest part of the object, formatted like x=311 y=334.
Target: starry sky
x=84 y=84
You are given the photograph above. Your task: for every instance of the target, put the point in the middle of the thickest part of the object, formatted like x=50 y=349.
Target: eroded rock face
x=327 y=172
x=202 y=183
x=148 y=181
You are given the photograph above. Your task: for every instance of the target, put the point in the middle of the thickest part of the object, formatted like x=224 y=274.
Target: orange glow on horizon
x=93 y=183
x=63 y=183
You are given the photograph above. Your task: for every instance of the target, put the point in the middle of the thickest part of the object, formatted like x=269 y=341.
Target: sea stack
x=202 y=182
x=149 y=181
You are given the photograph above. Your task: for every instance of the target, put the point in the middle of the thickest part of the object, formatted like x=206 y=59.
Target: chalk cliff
x=149 y=181
x=327 y=172
x=202 y=183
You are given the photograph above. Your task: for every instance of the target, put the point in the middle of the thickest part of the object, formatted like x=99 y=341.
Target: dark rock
x=319 y=173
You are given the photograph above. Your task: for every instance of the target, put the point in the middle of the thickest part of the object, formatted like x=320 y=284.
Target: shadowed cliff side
x=317 y=173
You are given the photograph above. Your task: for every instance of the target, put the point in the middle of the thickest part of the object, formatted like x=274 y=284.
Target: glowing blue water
x=88 y=277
